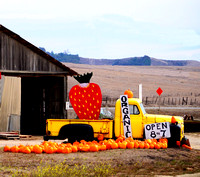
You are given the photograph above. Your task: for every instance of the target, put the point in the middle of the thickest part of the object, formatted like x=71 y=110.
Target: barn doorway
x=41 y=98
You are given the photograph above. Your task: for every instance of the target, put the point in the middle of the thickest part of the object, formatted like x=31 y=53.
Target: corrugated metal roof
x=37 y=50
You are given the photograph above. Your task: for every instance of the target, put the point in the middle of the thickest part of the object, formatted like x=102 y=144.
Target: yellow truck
x=142 y=125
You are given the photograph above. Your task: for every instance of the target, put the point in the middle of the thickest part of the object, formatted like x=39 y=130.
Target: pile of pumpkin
x=93 y=146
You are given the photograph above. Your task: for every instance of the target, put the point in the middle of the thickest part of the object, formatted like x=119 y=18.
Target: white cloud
x=108 y=28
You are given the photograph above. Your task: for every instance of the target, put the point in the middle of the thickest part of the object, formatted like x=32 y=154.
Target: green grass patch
x=62 y=169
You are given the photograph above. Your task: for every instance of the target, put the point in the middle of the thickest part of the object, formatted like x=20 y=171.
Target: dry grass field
x=114 y=80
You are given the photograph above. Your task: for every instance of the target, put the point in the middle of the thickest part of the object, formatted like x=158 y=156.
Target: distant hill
x=131 y=61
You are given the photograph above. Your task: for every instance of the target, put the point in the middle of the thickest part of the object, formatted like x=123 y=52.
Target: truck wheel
x=77 y=132
x=45 y=138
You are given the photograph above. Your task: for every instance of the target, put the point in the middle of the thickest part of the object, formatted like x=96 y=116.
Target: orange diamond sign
x=159 y=91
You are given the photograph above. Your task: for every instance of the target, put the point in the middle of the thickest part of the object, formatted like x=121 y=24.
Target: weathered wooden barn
x=33 y=85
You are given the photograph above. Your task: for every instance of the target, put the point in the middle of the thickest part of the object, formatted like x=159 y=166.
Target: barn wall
x=10 y=101
x=17 y=57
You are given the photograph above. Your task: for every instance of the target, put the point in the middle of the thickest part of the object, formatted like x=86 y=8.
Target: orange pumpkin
x=60 y=149
x=146 y=145
x=85 y=148
x=76 y=143
x=74 y=148
x=100 y=137
x=136 y=144
x=37 y=149
x=26 y=150
x=94 y=147
x=119 y=139
x=114 y=145
x=130 y=145
x=141 y=145
x=157 y=146
x=151 y=146
x=6 y=149
x=123 y=145
x=49 y=150
x=66 y=150
x=149 y=141
x=14 y=149
x=103 y=147
x=129 y=93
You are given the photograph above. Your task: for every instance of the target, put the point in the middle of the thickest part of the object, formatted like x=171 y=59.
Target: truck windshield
x=142 y=107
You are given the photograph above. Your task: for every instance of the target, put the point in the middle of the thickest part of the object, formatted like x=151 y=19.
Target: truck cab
x=139 y=118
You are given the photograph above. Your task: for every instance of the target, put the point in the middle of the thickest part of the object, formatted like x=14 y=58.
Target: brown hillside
x=114 y=80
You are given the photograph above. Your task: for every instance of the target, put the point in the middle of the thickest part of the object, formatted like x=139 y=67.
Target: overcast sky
x=164 y=29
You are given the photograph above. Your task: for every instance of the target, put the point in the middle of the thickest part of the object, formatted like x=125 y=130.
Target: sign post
x=140 y=91
x=159 y=92
x=126 y=116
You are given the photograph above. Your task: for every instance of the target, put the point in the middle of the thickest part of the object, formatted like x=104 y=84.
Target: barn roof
x=66 y=70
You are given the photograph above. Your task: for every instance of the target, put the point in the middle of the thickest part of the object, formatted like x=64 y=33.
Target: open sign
x=157 y=130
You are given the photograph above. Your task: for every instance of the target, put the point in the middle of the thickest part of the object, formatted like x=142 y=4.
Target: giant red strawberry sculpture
x=86 y=98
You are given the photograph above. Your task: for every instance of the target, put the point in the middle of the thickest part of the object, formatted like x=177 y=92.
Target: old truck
x=77 y=129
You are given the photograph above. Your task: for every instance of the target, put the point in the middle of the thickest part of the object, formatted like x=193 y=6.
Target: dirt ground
x=126 y=162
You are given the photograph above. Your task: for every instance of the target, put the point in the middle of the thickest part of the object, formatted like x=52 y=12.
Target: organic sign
x=126 y=116
x=157 y=130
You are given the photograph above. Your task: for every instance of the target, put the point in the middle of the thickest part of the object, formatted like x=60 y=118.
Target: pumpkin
x=76 y=143
x=14 y=149
x=100 y=137
x=187 y=147
x=74 y=148
x=120 y=139
x=123 y=145
x=94 y=148
x=26 y=150
x=148 y=141
x=146 y=145
x=85 y=148
x=141 y=145
x=129 y=93
x=157 y=146
x=37 y=149
x=66 y=150
x=130 y=145
x=49 y=150
x=136 y=144
x=6 y=149
x=60 y=149
x=114 y=145
x=151 y=146
x=103 y=147
x=108 y=143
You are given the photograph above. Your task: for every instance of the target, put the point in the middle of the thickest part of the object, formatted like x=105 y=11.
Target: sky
x=109 y=29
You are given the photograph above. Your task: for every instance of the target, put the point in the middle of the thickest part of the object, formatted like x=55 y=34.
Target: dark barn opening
x=39 y=82
x=41 y=98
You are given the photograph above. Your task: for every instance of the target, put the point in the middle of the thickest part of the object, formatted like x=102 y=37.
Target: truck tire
x=77 y=132
x=175 y=135
x=46 y=138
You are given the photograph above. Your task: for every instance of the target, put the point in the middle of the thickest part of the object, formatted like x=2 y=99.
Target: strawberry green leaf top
x=86 y=98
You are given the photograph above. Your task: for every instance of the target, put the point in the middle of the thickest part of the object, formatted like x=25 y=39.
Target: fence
x=156 y=100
